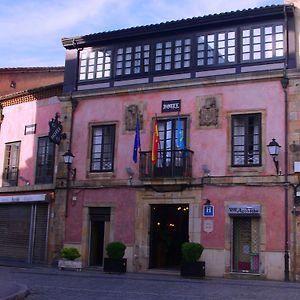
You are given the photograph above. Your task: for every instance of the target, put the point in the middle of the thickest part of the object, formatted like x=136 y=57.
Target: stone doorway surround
x=142 y=227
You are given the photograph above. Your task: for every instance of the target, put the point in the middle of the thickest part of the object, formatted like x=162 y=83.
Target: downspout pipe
x=284 y=84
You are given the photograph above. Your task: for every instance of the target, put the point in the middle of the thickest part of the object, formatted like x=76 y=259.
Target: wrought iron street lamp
x=273 y=149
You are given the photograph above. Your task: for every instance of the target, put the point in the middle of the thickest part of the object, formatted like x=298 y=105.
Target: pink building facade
x=215 y=85
x=27 y=193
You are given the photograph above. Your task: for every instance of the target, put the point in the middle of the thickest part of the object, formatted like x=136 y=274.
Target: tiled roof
x=257 y=12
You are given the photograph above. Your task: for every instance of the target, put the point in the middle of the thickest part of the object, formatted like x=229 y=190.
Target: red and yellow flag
x=155 y=142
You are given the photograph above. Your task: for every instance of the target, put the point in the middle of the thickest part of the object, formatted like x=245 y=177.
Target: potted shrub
x=115 y=262
x=190 y=265
x=69 y=259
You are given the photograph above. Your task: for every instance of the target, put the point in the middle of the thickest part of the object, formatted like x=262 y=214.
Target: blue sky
x=31 y=30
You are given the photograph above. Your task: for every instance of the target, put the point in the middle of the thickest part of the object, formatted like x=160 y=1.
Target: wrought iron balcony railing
x=170 y=163
x=10 y=176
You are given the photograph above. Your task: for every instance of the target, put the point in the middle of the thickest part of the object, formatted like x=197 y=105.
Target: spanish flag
x=155 y=142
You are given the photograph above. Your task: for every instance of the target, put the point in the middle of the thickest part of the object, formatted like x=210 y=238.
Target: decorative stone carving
x=132 y=112
x=209 y=112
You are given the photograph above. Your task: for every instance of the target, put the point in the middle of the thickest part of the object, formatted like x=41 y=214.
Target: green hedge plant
x=70 y=253
x=191 y=252
x=115 y=250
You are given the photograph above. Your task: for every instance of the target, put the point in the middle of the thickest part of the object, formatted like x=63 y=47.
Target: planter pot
x=192 y=269
x=112 y=265
x=70 y=264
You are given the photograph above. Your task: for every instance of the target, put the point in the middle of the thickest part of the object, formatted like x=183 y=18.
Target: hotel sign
x=244 y=210
x=171 y=106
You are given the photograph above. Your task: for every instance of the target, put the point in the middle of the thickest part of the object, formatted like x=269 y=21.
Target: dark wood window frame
x=256 y=40
x=102 y=148
x=226 y=50
x=45 y=161
x=246 y=140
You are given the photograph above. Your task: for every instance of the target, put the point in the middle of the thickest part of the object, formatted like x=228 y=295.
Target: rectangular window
x=246 y=140
x=11 y=164
x=216 y=48
x=45 y=161
x=133 y=60
x=102 y=148
x=95 y=64
x=264 y=42
x=173 y=54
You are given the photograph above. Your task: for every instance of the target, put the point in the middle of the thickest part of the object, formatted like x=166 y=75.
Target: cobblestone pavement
x=51 y=283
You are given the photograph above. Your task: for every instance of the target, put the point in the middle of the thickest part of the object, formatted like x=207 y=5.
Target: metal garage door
x=23 y=232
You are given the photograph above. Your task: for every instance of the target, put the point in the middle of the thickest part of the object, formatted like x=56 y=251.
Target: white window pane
x=279 y=45
x=221 y=36
x=107 y=73
x=268 y=38
x=201 y=39
x=246 y=56
x=200 y=62
x=257 y=47
x=256 y=55
x=231 y=35
x=82 y=69
x=256 y=31
x=158 y=52
x=178 y=43
x=99 y=74
x=268 y=30
x=92 y=55
x=158 y=45
x=120 y=51
x=231 y=58
x=186 y=63
x=168 y=52
x=90 y=76
x=221 y=44
x=210 y=38
x=91 y=68
x=246 y=33
x=146 y=47
x=231 y=43
x=168 y=44
x=177 y=65
x=84 y=55
x=168 y=66
x=256 y=39
x=279 y=28
x=82 y=76
x=246 y=48
x=279 y=52
x=187 y=41
x=268 y=54
x=279 y=37
x=231 y=50
x=268 y=46
x=246 y=41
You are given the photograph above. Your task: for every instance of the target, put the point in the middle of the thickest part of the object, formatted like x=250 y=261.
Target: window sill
x=100 y=175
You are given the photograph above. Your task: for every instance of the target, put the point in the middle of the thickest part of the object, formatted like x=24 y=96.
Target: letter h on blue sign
x=208 y=211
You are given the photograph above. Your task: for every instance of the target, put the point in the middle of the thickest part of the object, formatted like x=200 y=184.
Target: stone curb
x=22 y=292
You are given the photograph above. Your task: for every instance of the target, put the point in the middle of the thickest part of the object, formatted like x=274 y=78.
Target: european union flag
x=137 y=141
x=180 y=138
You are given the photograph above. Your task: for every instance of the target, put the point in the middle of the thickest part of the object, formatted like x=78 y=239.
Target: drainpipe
x=284 y=84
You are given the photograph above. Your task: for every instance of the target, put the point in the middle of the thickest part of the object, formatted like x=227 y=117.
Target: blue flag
x=180 y=138
x=137 y=141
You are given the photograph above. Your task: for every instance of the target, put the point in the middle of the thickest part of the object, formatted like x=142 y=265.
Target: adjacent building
x=28 y=101
x=216 y=89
